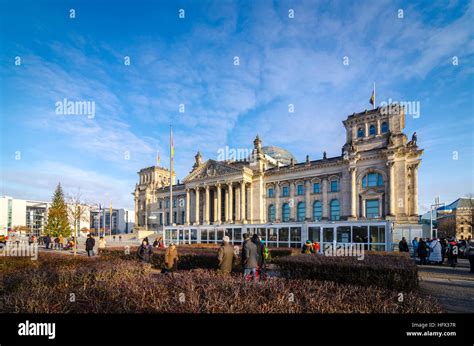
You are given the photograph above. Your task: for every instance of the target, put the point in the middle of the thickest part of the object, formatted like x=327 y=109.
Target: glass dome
x=279 y=154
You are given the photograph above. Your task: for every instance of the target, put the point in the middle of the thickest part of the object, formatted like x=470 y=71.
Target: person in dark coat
x=226 y=256
x=403 y=245
x=422 y=251
x=145 y=251
x=258 y=244
x=47 y=240
x=90 y=243
x=469 y=252
x=249 y=257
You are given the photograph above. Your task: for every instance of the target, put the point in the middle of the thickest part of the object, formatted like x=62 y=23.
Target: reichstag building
x=367 y=195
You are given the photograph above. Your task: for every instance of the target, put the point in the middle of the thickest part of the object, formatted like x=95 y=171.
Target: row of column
x=221 y=191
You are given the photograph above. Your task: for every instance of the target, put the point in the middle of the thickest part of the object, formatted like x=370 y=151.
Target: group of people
x=90 y=244
x=253 y=256
x=435 y=251
x=310 y=247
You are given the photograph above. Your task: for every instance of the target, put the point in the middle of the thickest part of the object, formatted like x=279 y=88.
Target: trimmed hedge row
x=118 y=286
x=382 y=269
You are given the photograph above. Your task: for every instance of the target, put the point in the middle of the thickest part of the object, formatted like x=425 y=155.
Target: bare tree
x=78 y=211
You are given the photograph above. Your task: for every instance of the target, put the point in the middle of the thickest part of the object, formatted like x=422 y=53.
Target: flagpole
x=171 y=178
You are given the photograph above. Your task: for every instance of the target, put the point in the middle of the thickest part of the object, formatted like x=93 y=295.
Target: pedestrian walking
x=102 y=243
x=226 y=256
x=145 y=251
x=422 y=251
x=435 y=252
x=403 y=245
x=444 y=249
x=414 y=244
x=258 y=245
x=61 y=241
x=171 y=258
x=453 y=252
x=47 y=240
x=90 y=243
x=249 y=258
x=470 y=255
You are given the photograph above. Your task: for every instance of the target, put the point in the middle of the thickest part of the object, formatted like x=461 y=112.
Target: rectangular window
x=316 y=188
x=344 y=234
x=313 y=233
x=334 y=186
x=300 y=189
x=372 y=208
x=284 y=191
x=270 y=192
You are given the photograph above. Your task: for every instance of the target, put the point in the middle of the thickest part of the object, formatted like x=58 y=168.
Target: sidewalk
x=453 y=287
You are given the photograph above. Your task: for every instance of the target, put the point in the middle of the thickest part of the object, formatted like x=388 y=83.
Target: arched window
x=271 y=213
x=335 y=210
x=334 y=186
x=285 y=212
x=360 y=132
x=301 y=211
x=384 y=128
x=372 y=130
x=317 y=211
x=372 y=180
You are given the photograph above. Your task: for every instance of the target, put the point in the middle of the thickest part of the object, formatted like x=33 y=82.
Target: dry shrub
x=119 y=286
x=386 y=270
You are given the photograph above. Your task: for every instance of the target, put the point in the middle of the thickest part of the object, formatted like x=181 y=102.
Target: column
x=242 y=202
x=277 y=202
x=391 y=167
x=363 y=208
x=307 y=201
x=353 y=192
x=237 y=204
x=188 y=207
x=325 y=199
x=215 y=207
x=196 y=216
x=219 y=204
x=378 y=126
x=415 y=190
x=250 y=203
x=207 y=204
x=231 y=193
x=366 y=129
x=226 y=206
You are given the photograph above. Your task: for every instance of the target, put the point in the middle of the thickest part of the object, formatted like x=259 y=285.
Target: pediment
x=210 y=169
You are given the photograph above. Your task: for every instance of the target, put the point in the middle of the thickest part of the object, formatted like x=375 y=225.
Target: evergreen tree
x=58 y=223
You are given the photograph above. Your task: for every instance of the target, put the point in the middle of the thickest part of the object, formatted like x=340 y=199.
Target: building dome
x=279 y=154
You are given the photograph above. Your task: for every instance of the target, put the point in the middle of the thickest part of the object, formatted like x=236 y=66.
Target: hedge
x=382 y=269
x=118 y=286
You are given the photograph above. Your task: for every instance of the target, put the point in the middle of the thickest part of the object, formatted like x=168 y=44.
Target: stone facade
x=374 y=178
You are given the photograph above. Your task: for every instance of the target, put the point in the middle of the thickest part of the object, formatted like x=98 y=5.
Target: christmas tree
x=58 y=223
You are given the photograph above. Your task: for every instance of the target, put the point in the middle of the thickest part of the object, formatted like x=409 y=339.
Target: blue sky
x=190 y=61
